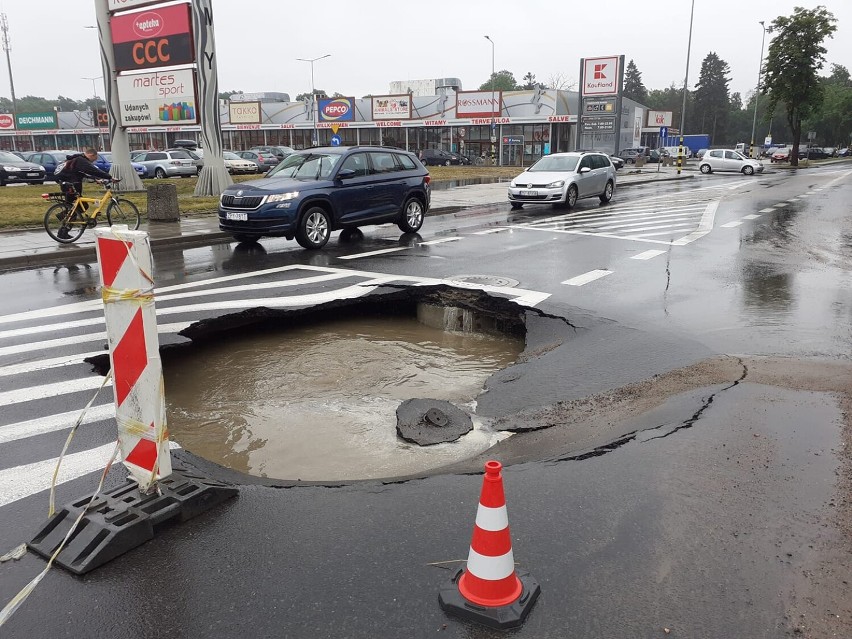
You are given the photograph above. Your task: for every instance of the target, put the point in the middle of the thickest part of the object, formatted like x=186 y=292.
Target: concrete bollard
x=163 y=203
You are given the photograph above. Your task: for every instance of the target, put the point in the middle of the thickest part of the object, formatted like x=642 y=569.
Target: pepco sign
x=157 y=38
x=337 y=110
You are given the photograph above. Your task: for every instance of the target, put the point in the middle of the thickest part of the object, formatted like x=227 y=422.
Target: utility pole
x=7 y=47
x=493 y=125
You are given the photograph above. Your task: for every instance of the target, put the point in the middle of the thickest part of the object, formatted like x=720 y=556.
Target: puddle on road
x=318 y=402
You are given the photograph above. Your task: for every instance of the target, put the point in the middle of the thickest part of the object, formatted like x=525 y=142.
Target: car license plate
x=529 y=193
x=32 y=174
x=242 y=217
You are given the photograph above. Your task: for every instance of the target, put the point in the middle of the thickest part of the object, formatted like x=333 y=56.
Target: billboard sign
x=159 y=37
x=597 y=125
x=337 y=109
x=244 y=112
x=392 y=107
x=601 y=75
x=659 y=118
x=121 y=5
x=46 y=120
x=478 y=104
x=7 y=122
x=158 y=98
x=594 y=107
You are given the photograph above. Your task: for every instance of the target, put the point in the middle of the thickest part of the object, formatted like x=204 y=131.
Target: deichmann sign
x=600 y=76
x=36 y=120
x=158 y=98
x=659 y=118
x=244 y=112
x=7 y=122
x=478 y=104
x=337 y=110
x=391 y=107
x=161 y=37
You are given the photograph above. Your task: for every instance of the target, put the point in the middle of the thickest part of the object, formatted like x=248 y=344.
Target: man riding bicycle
x=77 y=167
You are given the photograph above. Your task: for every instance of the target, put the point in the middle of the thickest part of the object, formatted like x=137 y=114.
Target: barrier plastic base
x=122 y=519
x=501 y=617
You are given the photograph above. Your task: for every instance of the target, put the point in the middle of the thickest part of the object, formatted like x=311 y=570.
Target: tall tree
x=795 y=55
x=560 y=82
x=832 y=122
x=503 y=81
x=531 y=83
x=712 y=101
x=633 y=87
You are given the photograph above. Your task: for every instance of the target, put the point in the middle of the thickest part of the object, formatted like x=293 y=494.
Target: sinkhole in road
x=316 y=400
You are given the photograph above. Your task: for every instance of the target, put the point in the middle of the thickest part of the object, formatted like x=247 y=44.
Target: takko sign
x=157 y=38
x=244 y=113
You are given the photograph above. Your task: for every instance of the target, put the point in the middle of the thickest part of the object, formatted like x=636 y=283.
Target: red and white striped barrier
x=124 y=260
x=490 y=591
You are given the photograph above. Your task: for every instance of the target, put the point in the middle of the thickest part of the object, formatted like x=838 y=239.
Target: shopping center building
x=528 y=124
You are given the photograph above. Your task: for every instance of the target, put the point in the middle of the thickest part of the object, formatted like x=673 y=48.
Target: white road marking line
x=795 y=199
x=647 y=255
x=771 y=209
x=53 y=423
x=43 y=364
x=750 y=217
x=731 y=225
x=371 y=253
x=780 y=205
x=43 y=391
x=489 y=231
x=440 y=241
x=23 y=481
x=585 y=278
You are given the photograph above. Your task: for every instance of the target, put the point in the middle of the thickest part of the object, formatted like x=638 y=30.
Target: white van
x=673 y=151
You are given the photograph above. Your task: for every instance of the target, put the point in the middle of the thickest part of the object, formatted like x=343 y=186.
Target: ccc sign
x=151 y=39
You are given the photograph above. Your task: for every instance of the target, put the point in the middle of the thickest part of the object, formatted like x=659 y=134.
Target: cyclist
x=70 y=177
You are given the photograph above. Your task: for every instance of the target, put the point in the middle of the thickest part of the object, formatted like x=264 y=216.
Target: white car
x=235 y=164
x=726 y=160
x=564 y=178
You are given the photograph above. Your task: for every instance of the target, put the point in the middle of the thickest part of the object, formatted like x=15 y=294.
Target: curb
x=61 y=254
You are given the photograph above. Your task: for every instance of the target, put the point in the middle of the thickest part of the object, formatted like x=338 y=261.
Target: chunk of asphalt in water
x=431 y=421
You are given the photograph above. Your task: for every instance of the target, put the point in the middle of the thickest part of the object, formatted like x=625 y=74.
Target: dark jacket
x=79 y=167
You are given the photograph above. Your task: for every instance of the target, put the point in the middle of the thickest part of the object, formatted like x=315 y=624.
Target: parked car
x=185 y=144
x=437 y=157
x=564 y=178
x=700 y=153
x=831 y=151
x=280 y=152
x=20 y=154
x=728 y=160
x=15 y=170
x=812 y=153
x=316 y=191
x=160 y=164
x=104 y=162
x=49 y=159
x=235 y=164
x=617 y=162
x=844 y=152
x=629 y=155
x=264 y=159
x=781 y=155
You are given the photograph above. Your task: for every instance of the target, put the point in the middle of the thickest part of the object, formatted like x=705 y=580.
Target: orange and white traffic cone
x=490 y=591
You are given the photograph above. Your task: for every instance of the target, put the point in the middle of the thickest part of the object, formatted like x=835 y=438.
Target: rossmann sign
x=337 y=110
x=159 y=37
x=601 y=76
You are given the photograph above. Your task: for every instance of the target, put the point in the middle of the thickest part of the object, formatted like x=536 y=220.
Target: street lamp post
x=757 y=93
x=95 y=118
x=313 y=93
x=493 y=125
x=685 y=89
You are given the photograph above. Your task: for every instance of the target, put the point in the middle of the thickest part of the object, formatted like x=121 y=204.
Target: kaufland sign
x=600 y=76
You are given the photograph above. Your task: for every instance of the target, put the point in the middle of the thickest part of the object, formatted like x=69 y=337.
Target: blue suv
x=316 y=191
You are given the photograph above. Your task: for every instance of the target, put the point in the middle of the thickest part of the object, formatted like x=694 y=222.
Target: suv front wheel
x=314 y=228
x=412 y=216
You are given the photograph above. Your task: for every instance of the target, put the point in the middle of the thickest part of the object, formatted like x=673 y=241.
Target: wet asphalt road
x=708 y=514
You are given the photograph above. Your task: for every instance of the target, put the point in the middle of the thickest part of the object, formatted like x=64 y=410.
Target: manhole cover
x=484 y=280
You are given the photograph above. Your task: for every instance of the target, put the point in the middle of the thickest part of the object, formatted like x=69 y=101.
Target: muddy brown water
x=319 y=402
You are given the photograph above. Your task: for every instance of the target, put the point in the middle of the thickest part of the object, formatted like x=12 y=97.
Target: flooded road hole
x=313 y=395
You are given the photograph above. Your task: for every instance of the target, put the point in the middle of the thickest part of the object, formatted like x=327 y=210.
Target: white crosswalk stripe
x=44 y=387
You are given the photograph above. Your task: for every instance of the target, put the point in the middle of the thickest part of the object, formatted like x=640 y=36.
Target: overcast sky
x=373 y=43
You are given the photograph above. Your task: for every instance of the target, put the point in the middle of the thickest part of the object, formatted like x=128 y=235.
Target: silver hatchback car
x=162 y=164
x=564 y=178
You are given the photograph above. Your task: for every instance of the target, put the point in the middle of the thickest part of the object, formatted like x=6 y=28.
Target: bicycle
x=75 y=218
